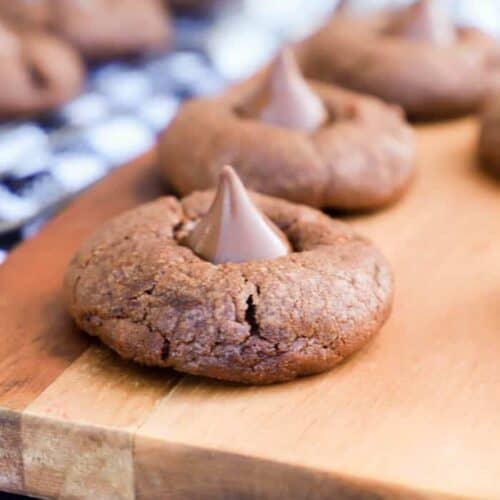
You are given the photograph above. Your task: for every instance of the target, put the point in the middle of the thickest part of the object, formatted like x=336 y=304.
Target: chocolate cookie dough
x=489 y=141
x=38 y=70
x=99 y=28
x=137 y=286
x=325 y=147
x=414 y=57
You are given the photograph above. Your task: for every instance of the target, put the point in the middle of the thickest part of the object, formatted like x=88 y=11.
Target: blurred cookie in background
x=99 y=29
x=28 y=11
x=415 y=56
x=39 y=71
x=103 y=29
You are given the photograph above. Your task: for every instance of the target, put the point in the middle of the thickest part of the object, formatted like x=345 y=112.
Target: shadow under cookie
x=489 y=139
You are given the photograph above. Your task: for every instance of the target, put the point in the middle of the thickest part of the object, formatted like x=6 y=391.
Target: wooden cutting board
x=416 y=414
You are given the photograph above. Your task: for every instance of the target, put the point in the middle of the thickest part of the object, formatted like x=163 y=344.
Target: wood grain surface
x=416 y=414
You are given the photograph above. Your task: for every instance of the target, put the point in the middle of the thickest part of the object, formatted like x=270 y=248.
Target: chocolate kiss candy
x=234 y=229
x=291 y=103
x=424 y=20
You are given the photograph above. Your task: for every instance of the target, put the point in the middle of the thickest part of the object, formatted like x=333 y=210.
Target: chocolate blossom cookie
x=239 y=287
x=98 y=28
x=413 y=56
x=38 y=71
x=305 y=141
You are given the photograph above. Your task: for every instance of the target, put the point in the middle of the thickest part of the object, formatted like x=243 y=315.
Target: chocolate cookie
x=413 y=57
x=149 y=297
x=99 y=28
x=489 y=141
x=360 y=157
x=39 y=71
x=36 y=12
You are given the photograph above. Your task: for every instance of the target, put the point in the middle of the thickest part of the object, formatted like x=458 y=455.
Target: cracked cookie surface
x=154 y=301
x=361 y=159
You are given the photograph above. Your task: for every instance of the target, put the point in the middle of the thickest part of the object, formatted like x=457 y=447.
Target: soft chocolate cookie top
x=413 y=56
x=38 y=71
x=98 y=28
x=144 y=292
x=353 y=152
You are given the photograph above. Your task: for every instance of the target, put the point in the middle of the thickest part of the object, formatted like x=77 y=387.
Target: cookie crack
x=165 y=349
x=150 y=290
x=251 y=316
x=255 y=329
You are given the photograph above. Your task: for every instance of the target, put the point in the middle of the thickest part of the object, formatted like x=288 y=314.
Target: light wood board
x=416 y=414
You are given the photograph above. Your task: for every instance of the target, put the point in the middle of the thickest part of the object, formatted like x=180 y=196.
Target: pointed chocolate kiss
x=292 y=103
x=424 y=20
x=233 y=229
